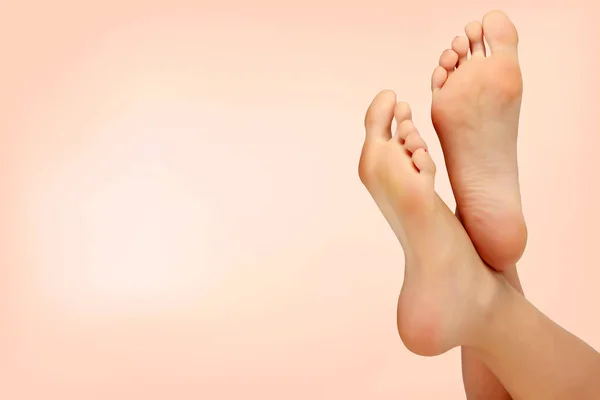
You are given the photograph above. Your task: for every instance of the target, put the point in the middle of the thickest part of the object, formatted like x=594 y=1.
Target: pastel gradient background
x=181 y=213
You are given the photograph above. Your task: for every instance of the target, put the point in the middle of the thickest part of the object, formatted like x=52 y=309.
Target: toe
x=404 y=129
x=404 y=124
x=438 y=79
x=500 y=32
x=423 y=161
x=474 y=32
x=402 y=112
x=460 y=45
x=414 y=141
x=448 y=60
x=378 y=121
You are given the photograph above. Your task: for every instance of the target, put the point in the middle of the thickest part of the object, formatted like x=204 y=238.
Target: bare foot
x=447 y=288
x=475 y=110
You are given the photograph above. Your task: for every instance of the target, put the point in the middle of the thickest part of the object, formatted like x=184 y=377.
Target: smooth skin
x=476 y=99
x=450 y=297
x=475 y=109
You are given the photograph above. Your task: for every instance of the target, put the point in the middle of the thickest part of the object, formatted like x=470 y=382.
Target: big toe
x=500 y=32
x=378 y=121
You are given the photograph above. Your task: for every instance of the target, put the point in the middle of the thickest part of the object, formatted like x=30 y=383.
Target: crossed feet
x=449 y=292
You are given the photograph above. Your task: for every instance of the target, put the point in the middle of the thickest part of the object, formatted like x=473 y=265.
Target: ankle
x=494 y=301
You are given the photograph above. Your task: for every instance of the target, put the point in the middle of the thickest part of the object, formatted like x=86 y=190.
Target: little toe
x=474 y=32
x=378 y=121
x=414 y=141
x=448 y=60
x=460 y=45
x=500 y=33
x=438 y=79
x=423 y=161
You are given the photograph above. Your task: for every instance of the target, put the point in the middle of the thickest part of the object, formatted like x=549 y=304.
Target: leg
x=534 y=357
x=478 y=379
x=473 y=181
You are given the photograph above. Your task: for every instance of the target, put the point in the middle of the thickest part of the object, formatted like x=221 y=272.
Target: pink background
x=181 y=212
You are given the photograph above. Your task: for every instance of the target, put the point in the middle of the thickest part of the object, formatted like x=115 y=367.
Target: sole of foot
x=475 y=110
x=447 y=289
